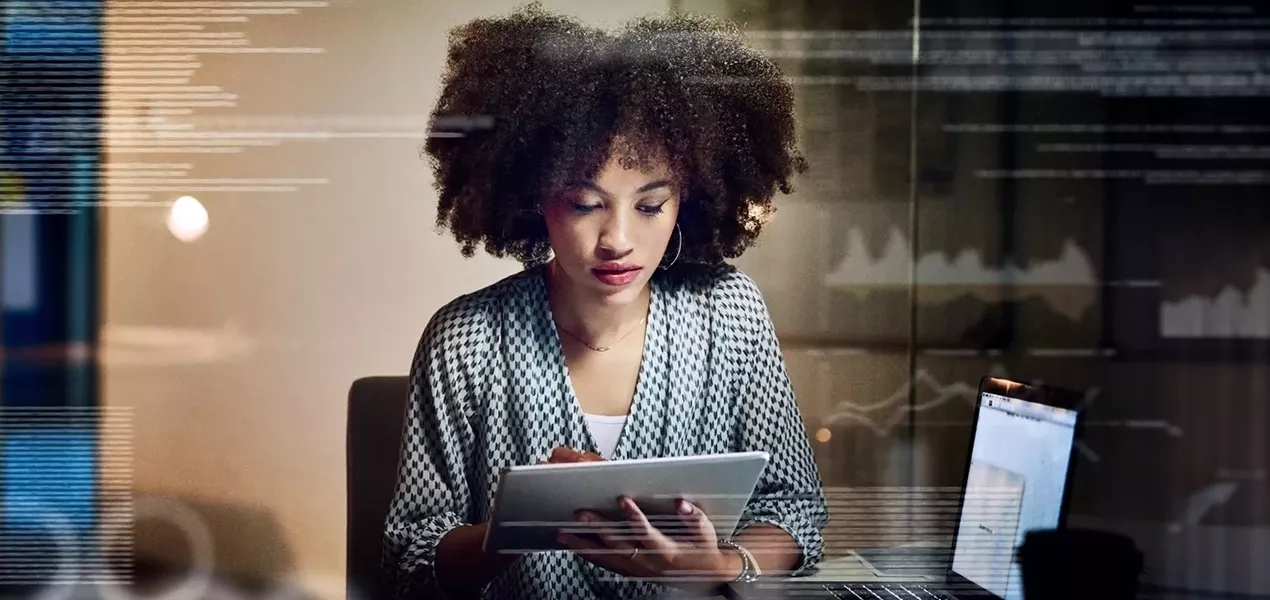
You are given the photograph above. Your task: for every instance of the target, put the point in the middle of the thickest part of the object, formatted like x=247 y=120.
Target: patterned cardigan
x=489 y=388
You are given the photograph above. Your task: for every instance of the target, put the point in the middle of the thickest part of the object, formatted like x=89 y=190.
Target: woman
x=622 y=170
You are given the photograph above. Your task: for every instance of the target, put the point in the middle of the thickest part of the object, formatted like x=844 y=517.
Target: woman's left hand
x=683 y=552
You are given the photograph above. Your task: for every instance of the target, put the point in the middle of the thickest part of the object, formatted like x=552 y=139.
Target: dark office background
x=1067 y=227
x=1123 y=179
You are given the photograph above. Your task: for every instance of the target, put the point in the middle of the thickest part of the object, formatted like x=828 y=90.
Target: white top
x=605 y=429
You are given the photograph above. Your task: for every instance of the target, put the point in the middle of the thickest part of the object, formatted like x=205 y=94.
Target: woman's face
x=609 y=234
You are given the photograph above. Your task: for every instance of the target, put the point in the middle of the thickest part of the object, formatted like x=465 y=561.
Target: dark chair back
x=376 y=413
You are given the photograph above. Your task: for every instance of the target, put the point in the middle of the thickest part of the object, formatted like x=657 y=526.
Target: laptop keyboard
x=882 y=591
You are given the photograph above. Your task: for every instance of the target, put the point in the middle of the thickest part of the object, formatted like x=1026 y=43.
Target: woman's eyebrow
x=648 y=187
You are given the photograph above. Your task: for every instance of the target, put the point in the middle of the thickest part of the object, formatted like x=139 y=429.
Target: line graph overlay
x=883 y=416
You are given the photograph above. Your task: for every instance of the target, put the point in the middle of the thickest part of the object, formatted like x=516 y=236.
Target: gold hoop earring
x=679 y=248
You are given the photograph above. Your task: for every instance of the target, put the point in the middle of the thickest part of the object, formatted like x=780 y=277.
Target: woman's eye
x=654 y=209
x=585 y=208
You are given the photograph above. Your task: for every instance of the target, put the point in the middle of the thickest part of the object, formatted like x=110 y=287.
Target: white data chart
x=1231 y=313
x=858 y=267
x=1067 y=283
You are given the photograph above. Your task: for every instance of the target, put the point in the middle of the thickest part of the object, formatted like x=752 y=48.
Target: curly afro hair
x=534 y=100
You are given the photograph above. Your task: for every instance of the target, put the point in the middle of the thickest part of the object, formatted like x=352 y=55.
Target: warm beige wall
x=266 y=319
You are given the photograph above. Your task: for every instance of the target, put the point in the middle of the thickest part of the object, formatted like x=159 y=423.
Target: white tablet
x=534 y=501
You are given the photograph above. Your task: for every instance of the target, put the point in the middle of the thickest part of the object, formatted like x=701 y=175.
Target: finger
x=563 y=454
x=645 y=534
x=616 y=534
x=696 y=521
x=593 y=551
x=580 y=544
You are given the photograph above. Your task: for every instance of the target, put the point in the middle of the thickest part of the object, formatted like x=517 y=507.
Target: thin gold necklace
x=608 y=347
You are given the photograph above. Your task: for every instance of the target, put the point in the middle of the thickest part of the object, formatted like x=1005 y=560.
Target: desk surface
x=837 y=569
x=849 y=567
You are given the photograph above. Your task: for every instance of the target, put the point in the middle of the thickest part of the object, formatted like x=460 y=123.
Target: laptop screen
x=1018 y=469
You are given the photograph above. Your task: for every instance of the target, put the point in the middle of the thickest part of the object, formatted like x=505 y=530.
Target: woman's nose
x=615 y=235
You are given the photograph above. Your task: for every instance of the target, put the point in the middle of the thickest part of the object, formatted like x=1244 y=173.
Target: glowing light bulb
x=188 y=219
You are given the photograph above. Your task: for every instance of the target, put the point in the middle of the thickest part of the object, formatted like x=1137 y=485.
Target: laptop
x=1017 y=478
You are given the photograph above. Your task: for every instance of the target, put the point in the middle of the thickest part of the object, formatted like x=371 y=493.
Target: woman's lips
x=617 y=277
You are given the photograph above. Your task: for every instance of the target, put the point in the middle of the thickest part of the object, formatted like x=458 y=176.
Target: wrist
x=730 y=567
x=741 y=571
x=708 y=579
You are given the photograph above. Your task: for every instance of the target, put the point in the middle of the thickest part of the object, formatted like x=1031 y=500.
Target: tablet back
x=534 y=501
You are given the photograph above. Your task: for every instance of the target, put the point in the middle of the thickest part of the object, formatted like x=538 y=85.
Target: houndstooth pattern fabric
x=489 y=389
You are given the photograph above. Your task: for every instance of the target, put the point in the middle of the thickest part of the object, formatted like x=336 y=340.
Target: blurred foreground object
x=1079 y=563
